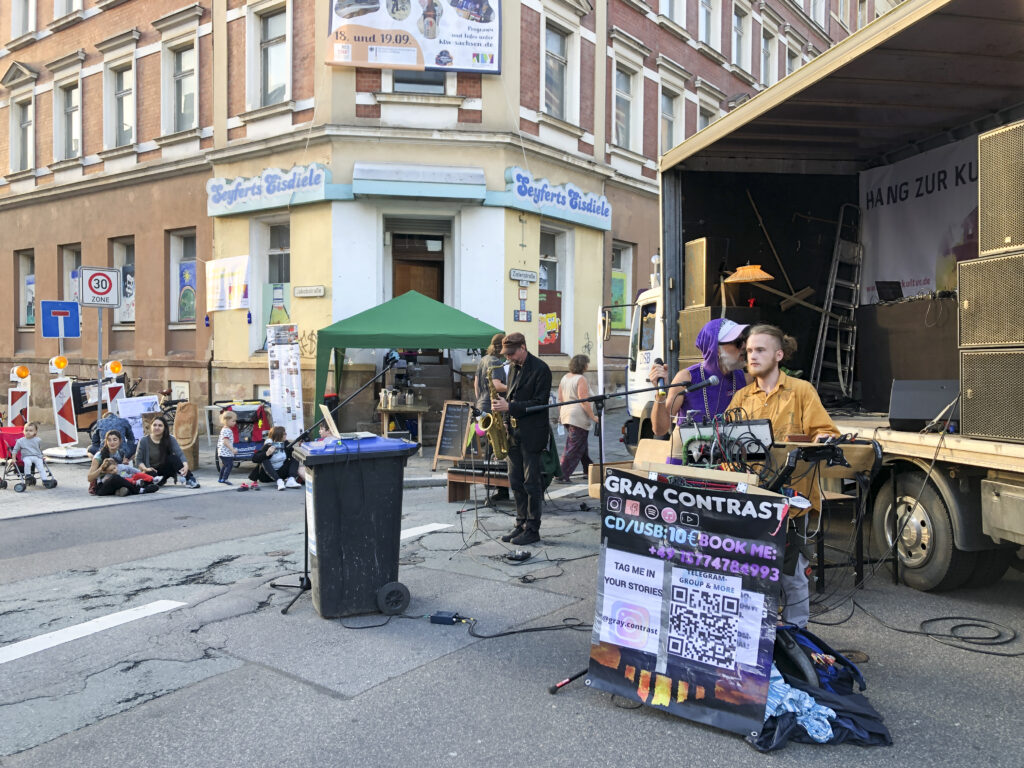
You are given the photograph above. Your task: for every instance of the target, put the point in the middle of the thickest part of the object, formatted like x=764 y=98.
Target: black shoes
x=514 y=533
x=526 y=537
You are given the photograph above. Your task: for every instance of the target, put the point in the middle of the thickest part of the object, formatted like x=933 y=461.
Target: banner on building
x=687 y=597
x=187 y=292
x=455 y=35
x=920 y=217
x=283 y=357
x=227 y=283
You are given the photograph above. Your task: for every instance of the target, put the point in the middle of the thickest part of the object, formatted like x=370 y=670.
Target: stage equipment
x=915 y=403
x=1001 y=190
x=723 y=442
x=991 y=393
x=705 y=258
x=991 y=295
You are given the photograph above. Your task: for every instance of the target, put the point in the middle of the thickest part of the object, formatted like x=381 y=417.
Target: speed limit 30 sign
x=99 y=287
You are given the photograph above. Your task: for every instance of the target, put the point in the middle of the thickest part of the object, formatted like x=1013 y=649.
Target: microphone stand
x=305 y=584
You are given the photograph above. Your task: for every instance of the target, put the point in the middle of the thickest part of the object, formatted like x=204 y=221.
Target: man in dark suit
x=529 y=383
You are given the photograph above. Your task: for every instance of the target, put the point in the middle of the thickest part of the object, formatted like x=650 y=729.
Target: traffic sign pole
x=99 y=367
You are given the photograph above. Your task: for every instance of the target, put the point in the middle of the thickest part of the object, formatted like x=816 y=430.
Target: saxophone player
x=491 y=371
x=529 y=383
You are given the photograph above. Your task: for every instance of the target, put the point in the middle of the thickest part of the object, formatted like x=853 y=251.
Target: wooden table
x=403 y=410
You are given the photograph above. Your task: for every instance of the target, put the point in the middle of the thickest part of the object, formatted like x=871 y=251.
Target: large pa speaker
x=991 y=393
x=1001 y=190
x=991 y=295
x=705 y=258
x=914 y=403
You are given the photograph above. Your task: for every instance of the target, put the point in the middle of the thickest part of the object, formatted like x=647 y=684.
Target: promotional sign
x=561 y=201
x=283 y=355
x=920 y=217
x=132 y=408
x=273 y=188
x=227 y=283
x=456 y=35
x=187 y=292
x=17 y=407
x=61 y=319
x=99 y=287
x=687 y=597
x=63 y=412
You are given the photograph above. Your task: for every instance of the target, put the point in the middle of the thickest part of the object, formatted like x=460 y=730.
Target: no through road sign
x=100 y=287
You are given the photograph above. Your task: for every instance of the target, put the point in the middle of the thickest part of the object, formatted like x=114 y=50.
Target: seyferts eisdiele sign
x=564 y=201
x=273 y=188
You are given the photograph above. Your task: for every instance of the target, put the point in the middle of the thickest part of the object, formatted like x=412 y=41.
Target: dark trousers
x=226 y=465
x=111 y=483
x=576 y=450
x=525 y=482
x=170 y=467
x=265 y=472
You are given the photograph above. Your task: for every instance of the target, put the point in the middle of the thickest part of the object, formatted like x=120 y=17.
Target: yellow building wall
x=229 y=327
x=522 y=229
x=311 y=256
x=586 y=289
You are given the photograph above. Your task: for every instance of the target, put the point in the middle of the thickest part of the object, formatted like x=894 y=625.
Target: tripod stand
x=305 y=584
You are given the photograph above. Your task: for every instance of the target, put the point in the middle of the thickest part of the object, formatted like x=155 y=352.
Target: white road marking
x=66 y=635
x=419 y=530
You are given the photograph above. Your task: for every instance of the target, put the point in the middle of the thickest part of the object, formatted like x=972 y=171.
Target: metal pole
x=99 y=364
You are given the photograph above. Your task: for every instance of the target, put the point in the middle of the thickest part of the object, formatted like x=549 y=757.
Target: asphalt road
x=224 y=679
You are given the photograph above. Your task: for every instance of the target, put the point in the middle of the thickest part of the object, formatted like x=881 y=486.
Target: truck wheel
x=929 y=560
x=991 y=566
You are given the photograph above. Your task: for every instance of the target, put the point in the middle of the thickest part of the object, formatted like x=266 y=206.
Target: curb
x=424 y=482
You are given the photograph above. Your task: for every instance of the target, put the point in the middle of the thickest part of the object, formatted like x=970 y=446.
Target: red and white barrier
x=17 y=407
x=112 y=392
x=63 y=412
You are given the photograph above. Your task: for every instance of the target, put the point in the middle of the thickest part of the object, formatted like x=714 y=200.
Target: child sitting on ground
x=226 y=450
x=32 y=452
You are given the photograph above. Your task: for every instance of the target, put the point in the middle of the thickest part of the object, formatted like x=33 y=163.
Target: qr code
x=702 y=626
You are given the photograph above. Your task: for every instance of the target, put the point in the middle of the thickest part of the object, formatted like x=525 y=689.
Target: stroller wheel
x=49 y=483
x=3 y=485
x=19 y=487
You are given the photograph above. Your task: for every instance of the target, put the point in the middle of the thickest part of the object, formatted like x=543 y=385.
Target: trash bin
x=354 y=516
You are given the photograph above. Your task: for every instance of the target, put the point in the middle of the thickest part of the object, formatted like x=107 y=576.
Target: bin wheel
x=19 y=487
x=393 y=598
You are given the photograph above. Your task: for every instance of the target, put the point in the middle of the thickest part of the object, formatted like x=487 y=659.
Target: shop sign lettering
x=271 y=189
x=564 y=198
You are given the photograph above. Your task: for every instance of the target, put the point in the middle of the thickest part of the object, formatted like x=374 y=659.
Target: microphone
x=710 y=381
x=661 y=381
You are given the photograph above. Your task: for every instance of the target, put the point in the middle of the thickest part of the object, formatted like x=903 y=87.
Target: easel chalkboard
x=454 y=433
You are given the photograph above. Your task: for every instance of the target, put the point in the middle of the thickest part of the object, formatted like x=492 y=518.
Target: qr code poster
x=687 y=598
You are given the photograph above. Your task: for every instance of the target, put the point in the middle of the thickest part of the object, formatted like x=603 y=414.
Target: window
x=769 y=60
x=124 y=261
x=71 y=262
x=26 y=288
x=792 y=61
x=675 y=10
x=622 y=285
x=705 y=21
x=23 y=17
x=184 y=77
x=623 y=107
x=645 y=325
x=844 y=12
x=556 y=65
x=553 y=321
x=64 y=7
x=69 y=126
x=279 y=255
x=668 y=121
x=705 y=117
x=408 y=81
x=818 y=12
x=273 y=57
x=740 y=37
x=269 y=278
x=123 y=84
x=183 y=277
x=862 y=13
x=22 y=135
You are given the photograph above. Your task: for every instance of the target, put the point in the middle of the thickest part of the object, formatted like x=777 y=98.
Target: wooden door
x=427 y=277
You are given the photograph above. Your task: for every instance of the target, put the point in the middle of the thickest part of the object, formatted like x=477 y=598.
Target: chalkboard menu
x=454 y=431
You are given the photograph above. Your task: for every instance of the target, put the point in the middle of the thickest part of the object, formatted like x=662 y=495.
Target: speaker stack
x=990 y=290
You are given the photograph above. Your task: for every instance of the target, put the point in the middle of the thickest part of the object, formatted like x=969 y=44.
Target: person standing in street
x=529 y=384
x=491 y=370
x=576 y=418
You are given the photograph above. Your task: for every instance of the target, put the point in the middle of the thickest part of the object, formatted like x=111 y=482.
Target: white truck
x=801 y=149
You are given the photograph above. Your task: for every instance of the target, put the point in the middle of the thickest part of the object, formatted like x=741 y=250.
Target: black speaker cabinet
x=991 y=295
x=913 y=403
x=1001 y=190
x=992 y=393
x=705 y=258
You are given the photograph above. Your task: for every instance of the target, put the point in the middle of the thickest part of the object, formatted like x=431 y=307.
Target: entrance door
x=418 y=265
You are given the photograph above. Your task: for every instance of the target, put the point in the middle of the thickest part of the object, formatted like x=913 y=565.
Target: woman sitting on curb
x=159 y=454
x=274 y=463
x=105 y=478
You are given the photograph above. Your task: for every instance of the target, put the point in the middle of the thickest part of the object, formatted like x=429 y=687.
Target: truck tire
x=929 y=559
x=991 y=566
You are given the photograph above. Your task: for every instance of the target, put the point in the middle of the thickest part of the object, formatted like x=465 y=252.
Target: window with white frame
x=64 y=7
x=67 y=125
x=26 y=262
x=23 y=17
x=625 y=87
x=269 y=277
x=669 y=120
x=862 y=13
x=411 y=81
x=23 y=150
x=675 y=10
x=741 y=37
x=179 y=68
x=269 y=56
x=621 y=285
x=792 y=61
x=818 y=12
x=769 y=57
x=556 y=70
x=183 y=78
x=121 y=79
x=709 y=23
x=124 y=262
x=182 y=260
x=553 y=303
x=844 y=12
x=71 y=262
x=706 y=115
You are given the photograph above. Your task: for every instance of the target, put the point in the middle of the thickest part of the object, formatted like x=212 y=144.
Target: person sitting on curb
x=111 y=421
x=159 y=454
x=104 y=477
x=274 y=463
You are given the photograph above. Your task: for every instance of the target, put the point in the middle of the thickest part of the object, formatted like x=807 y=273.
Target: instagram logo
x=630 y=623
x=614 y=504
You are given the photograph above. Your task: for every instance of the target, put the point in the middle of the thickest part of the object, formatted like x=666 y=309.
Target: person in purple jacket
x=721 y=345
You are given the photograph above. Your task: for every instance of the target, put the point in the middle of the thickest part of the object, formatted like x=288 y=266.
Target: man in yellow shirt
x=794 y=409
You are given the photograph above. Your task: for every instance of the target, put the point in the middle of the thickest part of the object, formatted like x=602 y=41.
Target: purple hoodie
x=713 y=400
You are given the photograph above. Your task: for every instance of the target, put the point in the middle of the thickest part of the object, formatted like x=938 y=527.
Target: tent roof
x=409 y=321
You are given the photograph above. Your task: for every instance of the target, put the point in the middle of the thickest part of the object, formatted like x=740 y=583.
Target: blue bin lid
x=331 y=446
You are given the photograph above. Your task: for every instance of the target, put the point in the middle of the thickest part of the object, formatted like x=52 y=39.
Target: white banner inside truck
x=920 y=218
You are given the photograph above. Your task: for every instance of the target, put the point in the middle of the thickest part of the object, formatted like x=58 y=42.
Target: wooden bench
x=459 y=481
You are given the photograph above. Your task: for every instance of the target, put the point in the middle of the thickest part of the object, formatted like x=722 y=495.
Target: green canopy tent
x=410 y=321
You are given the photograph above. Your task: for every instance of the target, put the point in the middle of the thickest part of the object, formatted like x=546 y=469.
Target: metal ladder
x=835 y=350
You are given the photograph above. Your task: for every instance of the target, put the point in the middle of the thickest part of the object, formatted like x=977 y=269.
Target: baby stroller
x=254 y=422
x=13 y=466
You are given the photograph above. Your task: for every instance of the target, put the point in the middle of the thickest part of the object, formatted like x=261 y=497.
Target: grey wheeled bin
x=354 y=517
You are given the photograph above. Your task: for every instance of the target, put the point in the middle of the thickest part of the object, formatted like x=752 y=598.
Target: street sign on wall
x=100 y=287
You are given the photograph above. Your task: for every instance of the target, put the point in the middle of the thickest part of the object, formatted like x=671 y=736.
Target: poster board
x=132 y=408
x=453 y=434
x=687 y=598
x=283 y=358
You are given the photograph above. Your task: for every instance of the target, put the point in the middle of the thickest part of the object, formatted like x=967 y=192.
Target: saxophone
x=494 y=426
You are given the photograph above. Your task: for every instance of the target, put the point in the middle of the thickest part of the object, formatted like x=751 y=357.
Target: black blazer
x=529 y=385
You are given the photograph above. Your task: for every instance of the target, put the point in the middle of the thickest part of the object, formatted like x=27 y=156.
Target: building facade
x=160 y=138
